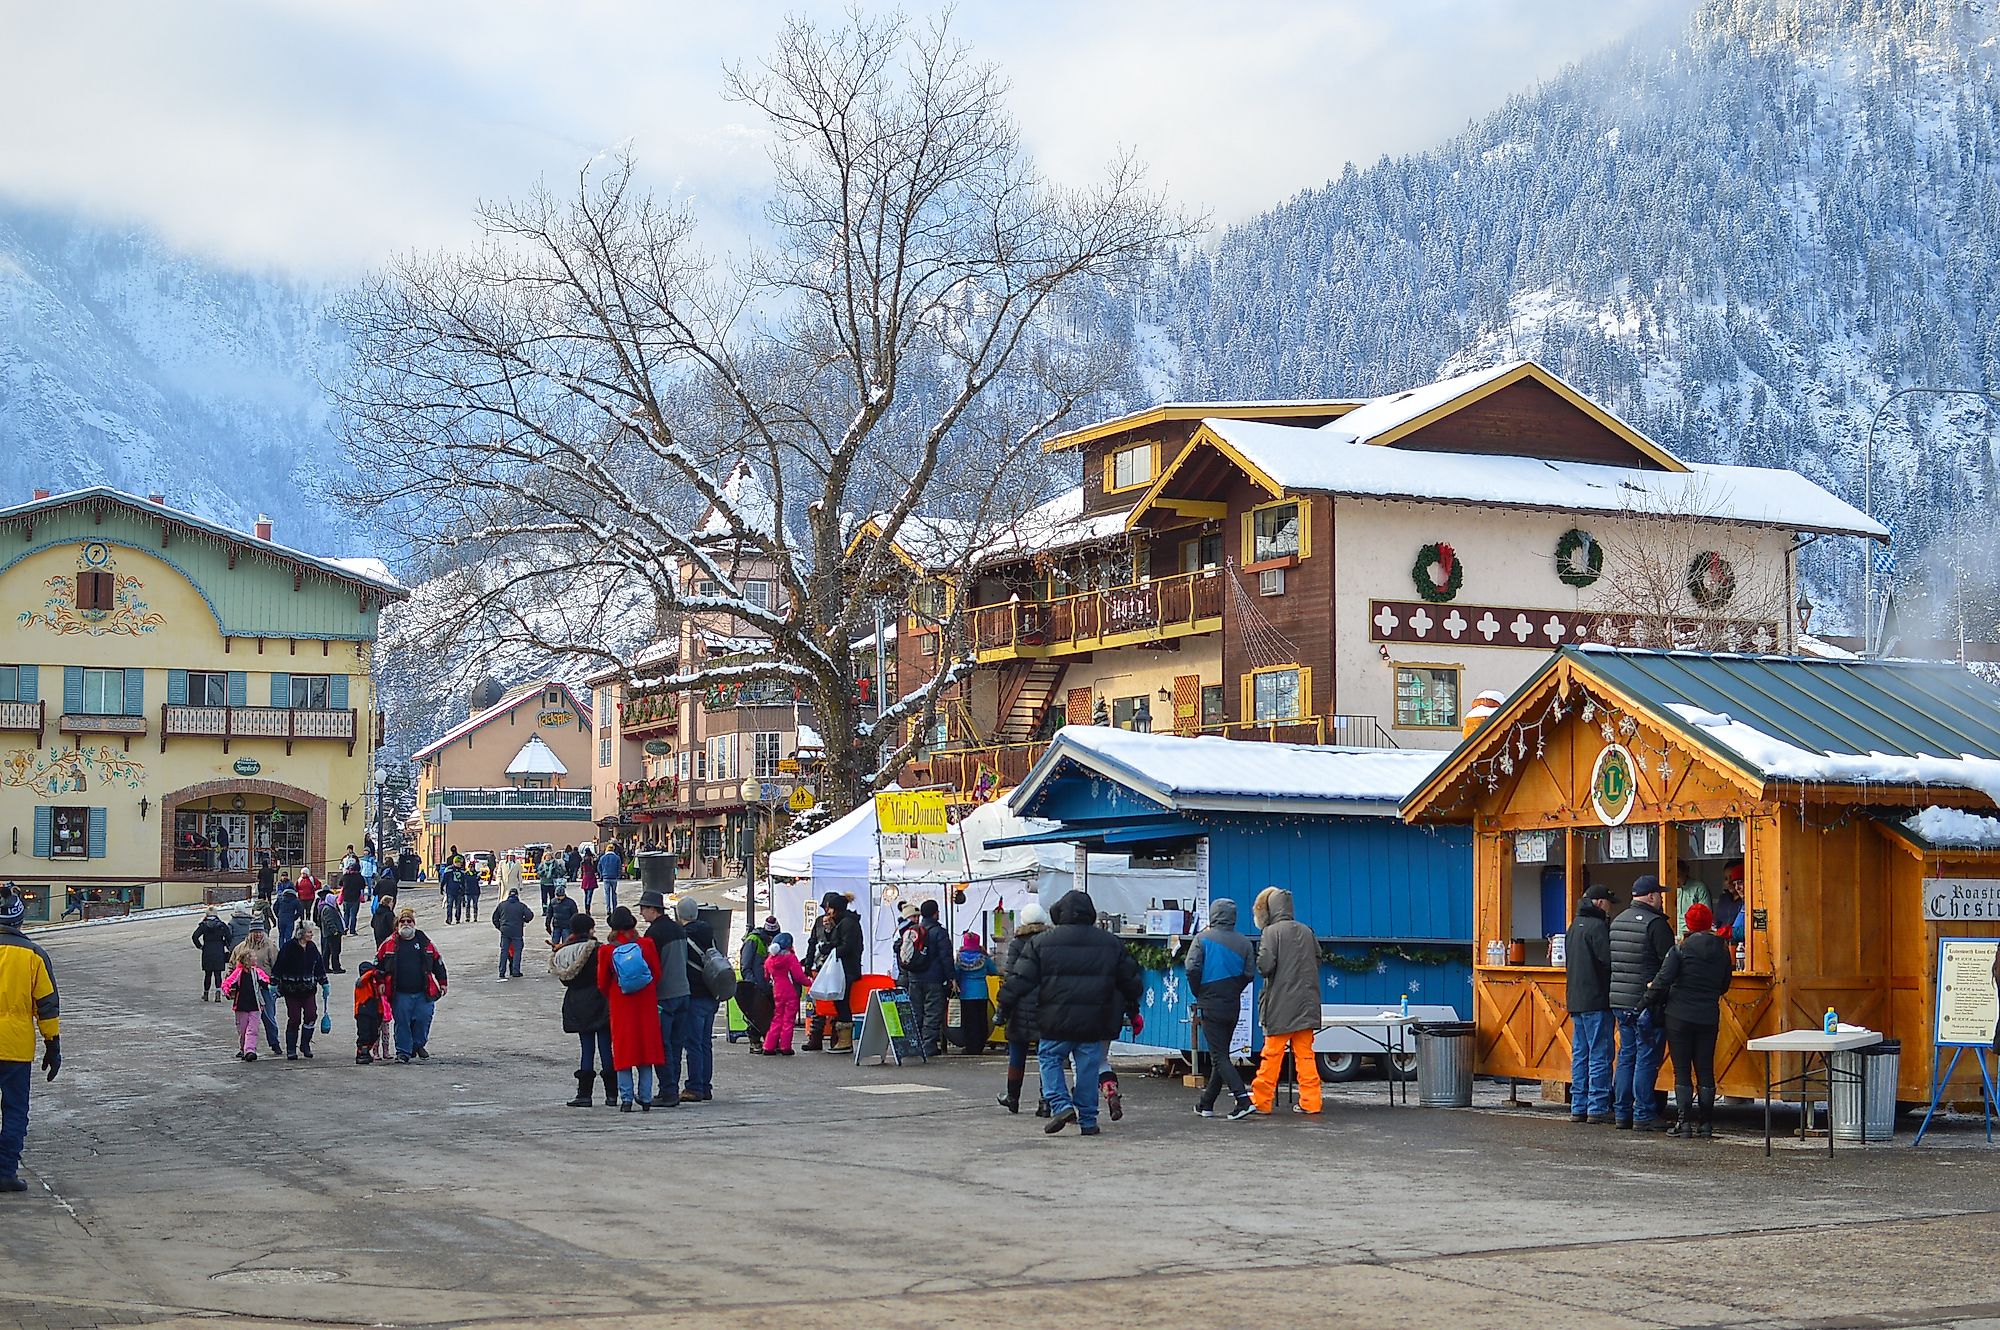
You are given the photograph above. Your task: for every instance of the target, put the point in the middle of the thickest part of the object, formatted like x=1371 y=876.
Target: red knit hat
x=1700 y=918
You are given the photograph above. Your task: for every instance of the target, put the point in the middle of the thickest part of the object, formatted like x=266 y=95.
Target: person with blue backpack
x=628 y=974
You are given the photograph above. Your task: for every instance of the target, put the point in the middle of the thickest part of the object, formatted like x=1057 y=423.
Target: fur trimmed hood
x=569 y=960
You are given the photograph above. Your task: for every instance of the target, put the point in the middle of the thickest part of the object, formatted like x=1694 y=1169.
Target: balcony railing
x=1094 y=620
x=23 y=716
x=508 y=796
x=289 y=724
x=986 y=769
x=72 y=722
x=650 y=713
x=637 y=795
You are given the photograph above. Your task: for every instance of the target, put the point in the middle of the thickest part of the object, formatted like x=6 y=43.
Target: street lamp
x=1868 y=494
x=381 y=787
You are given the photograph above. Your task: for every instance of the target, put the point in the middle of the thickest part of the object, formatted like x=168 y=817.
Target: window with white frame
x=104 y=692
x=766 y=754
x=309 y=692
x=208 y=688
x=701 y=764
x=1131 y=467
x=1427 y=697
x=10 y=683
x=719 y=764
x=1274 y=532
x=758 y=592
x=603 y=752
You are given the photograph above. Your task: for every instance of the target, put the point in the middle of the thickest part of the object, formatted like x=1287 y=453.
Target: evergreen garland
x=1445 y=558
x=1574 y=541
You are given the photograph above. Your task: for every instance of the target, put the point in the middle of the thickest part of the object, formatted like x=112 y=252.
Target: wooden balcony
x=20 y=717
x=288 y=724
x=125 y=727
x=650 y=715
x=1338 y=730
x=1155 y=611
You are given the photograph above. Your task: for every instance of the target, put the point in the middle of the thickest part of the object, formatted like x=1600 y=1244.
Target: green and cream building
x=177 y=698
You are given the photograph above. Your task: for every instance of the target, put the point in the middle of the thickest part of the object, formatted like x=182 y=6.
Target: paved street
x=173 y=1184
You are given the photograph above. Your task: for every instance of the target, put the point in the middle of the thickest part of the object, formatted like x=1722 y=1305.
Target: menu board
x=1967 y=1003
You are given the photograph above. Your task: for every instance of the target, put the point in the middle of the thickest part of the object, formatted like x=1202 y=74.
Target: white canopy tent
x=844 y=857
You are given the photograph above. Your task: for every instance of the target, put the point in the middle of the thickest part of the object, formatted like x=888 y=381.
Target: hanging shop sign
x=1613 y=785
x=247 y=766
x=658 y=748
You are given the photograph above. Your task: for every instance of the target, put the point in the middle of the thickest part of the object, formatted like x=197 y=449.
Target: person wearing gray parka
x=1288 y=963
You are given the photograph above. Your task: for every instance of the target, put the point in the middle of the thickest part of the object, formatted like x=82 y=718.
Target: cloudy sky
x=317 y=136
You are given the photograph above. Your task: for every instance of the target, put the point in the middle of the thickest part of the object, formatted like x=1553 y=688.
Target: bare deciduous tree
x=1682 y=576
x=564 y=404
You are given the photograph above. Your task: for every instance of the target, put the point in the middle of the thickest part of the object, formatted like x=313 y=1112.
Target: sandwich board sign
x=1967 y=1007
x=888 y=1029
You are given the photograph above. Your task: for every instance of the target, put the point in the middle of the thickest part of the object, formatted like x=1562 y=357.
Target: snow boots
x=610 y=1079
x=584 y=1081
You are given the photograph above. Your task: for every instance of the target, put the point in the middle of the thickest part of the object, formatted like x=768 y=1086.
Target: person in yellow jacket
x=27 y=1003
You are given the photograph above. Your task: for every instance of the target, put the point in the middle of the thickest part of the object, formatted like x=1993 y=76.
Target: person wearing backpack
x=702 y=1004
x=924 y=959
x=628 y=974
x=753 y=986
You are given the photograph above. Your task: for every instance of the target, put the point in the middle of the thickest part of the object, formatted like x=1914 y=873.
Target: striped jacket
x=27 y=996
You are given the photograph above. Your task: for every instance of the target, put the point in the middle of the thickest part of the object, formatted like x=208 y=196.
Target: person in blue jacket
x=1219 y=964
x=609 y=868
x=975 y=1012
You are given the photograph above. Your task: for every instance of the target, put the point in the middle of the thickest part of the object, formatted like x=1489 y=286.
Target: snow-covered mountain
x=1743 y=234
x=125 y=363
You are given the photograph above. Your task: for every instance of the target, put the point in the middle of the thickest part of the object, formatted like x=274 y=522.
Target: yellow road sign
x=801 y=800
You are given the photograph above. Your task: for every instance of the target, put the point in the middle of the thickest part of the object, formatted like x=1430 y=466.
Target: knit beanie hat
x=970 y=942
x=687 y=909
x=1699 y=918
x=782 y=942
x=12 y=908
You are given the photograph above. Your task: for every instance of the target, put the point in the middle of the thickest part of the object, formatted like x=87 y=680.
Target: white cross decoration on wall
x=1421 y=621
x=1487 y=625
x=1454 y=623
x=1386 y=621
x=1554 y=628
x=1521 y=627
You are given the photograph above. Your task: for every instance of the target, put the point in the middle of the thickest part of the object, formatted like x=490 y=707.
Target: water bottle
x=1406 y=1004
x=1832 y=1024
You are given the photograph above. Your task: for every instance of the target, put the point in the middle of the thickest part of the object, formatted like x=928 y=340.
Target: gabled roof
x=1383 y=420
x=1784 y=720
x=930 y=544
x=1282 y=459
x=752 y=502
x=536 y=759
x=370 y=573
x=1232 y=775
x=514 y=697
x=1280 y=409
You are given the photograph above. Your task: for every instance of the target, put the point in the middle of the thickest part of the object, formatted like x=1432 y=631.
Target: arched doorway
x=222 y=829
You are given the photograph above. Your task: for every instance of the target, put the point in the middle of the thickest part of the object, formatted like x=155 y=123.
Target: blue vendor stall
x=1390 y=903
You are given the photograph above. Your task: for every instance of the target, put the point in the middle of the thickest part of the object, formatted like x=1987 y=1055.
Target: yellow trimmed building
x=178 y=699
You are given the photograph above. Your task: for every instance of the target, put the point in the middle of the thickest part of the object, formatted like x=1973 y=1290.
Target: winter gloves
x=52 y=1057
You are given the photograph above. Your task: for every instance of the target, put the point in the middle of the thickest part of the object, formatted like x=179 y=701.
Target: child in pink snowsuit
x=243 y=988
x=788 y=980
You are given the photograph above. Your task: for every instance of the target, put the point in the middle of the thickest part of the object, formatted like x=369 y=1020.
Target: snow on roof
x=1237 y=775
x=721 y=644
x=508 y=702
x=1379 y=415
x=536 y=759
x=1322 y=460
x=1778 y=760
x=372 y=571
x=1057 y=524
x=1956 y=828
x=809 y=739
x=868 y=643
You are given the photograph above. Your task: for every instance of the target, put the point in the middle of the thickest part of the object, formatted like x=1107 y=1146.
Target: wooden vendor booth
x=1844 y=803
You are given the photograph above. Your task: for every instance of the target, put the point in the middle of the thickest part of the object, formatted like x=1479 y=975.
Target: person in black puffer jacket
x=1019 y=1020
x=837 y=932
x=585 y=1013
x=1588 y=996
x=1689 y=989
x=1641 y=937
x=1086 y=987
x=212 y=938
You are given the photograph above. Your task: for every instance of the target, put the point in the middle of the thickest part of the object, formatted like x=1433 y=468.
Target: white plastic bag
x=830 y=984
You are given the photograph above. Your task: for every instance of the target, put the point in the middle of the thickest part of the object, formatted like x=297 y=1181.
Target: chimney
x=263 y=527
x=41 y=493
x=160 y=499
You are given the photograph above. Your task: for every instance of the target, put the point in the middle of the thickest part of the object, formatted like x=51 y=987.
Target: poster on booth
x=1968 y=1006
x=911 y=813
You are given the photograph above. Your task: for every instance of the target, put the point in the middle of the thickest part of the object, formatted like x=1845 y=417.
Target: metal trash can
x=1444 y=1064
x=656 y=871
x=1866 y=1111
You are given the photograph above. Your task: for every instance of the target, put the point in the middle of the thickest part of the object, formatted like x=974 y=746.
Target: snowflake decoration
x=1610 y=737
x=1627 y=726
x=1152 y=995
x=1507 y=763
x=1171 y=993
x=1381 y=967
x=1589 y=710
x=1416 y=985
x=1332 y=982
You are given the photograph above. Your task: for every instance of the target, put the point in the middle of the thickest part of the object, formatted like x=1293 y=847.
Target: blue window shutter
x=45 y=831
x=31 y=683
x=239 y=688
x=177 y=688
x=281 y=690
x=135 y=692
x=72 y=690
x=336 y=692
x=94 y=843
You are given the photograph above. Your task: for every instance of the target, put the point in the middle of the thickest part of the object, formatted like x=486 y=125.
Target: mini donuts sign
x=1613 y=787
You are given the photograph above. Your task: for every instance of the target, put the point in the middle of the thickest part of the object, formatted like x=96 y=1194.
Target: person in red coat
x=636 y=1046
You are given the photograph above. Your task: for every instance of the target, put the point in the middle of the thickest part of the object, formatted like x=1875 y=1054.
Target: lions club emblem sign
x=1613 y=786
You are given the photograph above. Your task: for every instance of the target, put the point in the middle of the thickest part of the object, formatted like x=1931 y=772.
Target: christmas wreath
x=1575 y=572
x=1710 y=580
x=1447 y=563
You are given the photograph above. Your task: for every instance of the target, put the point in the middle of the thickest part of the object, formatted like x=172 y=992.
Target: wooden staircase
x=1027 y=689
